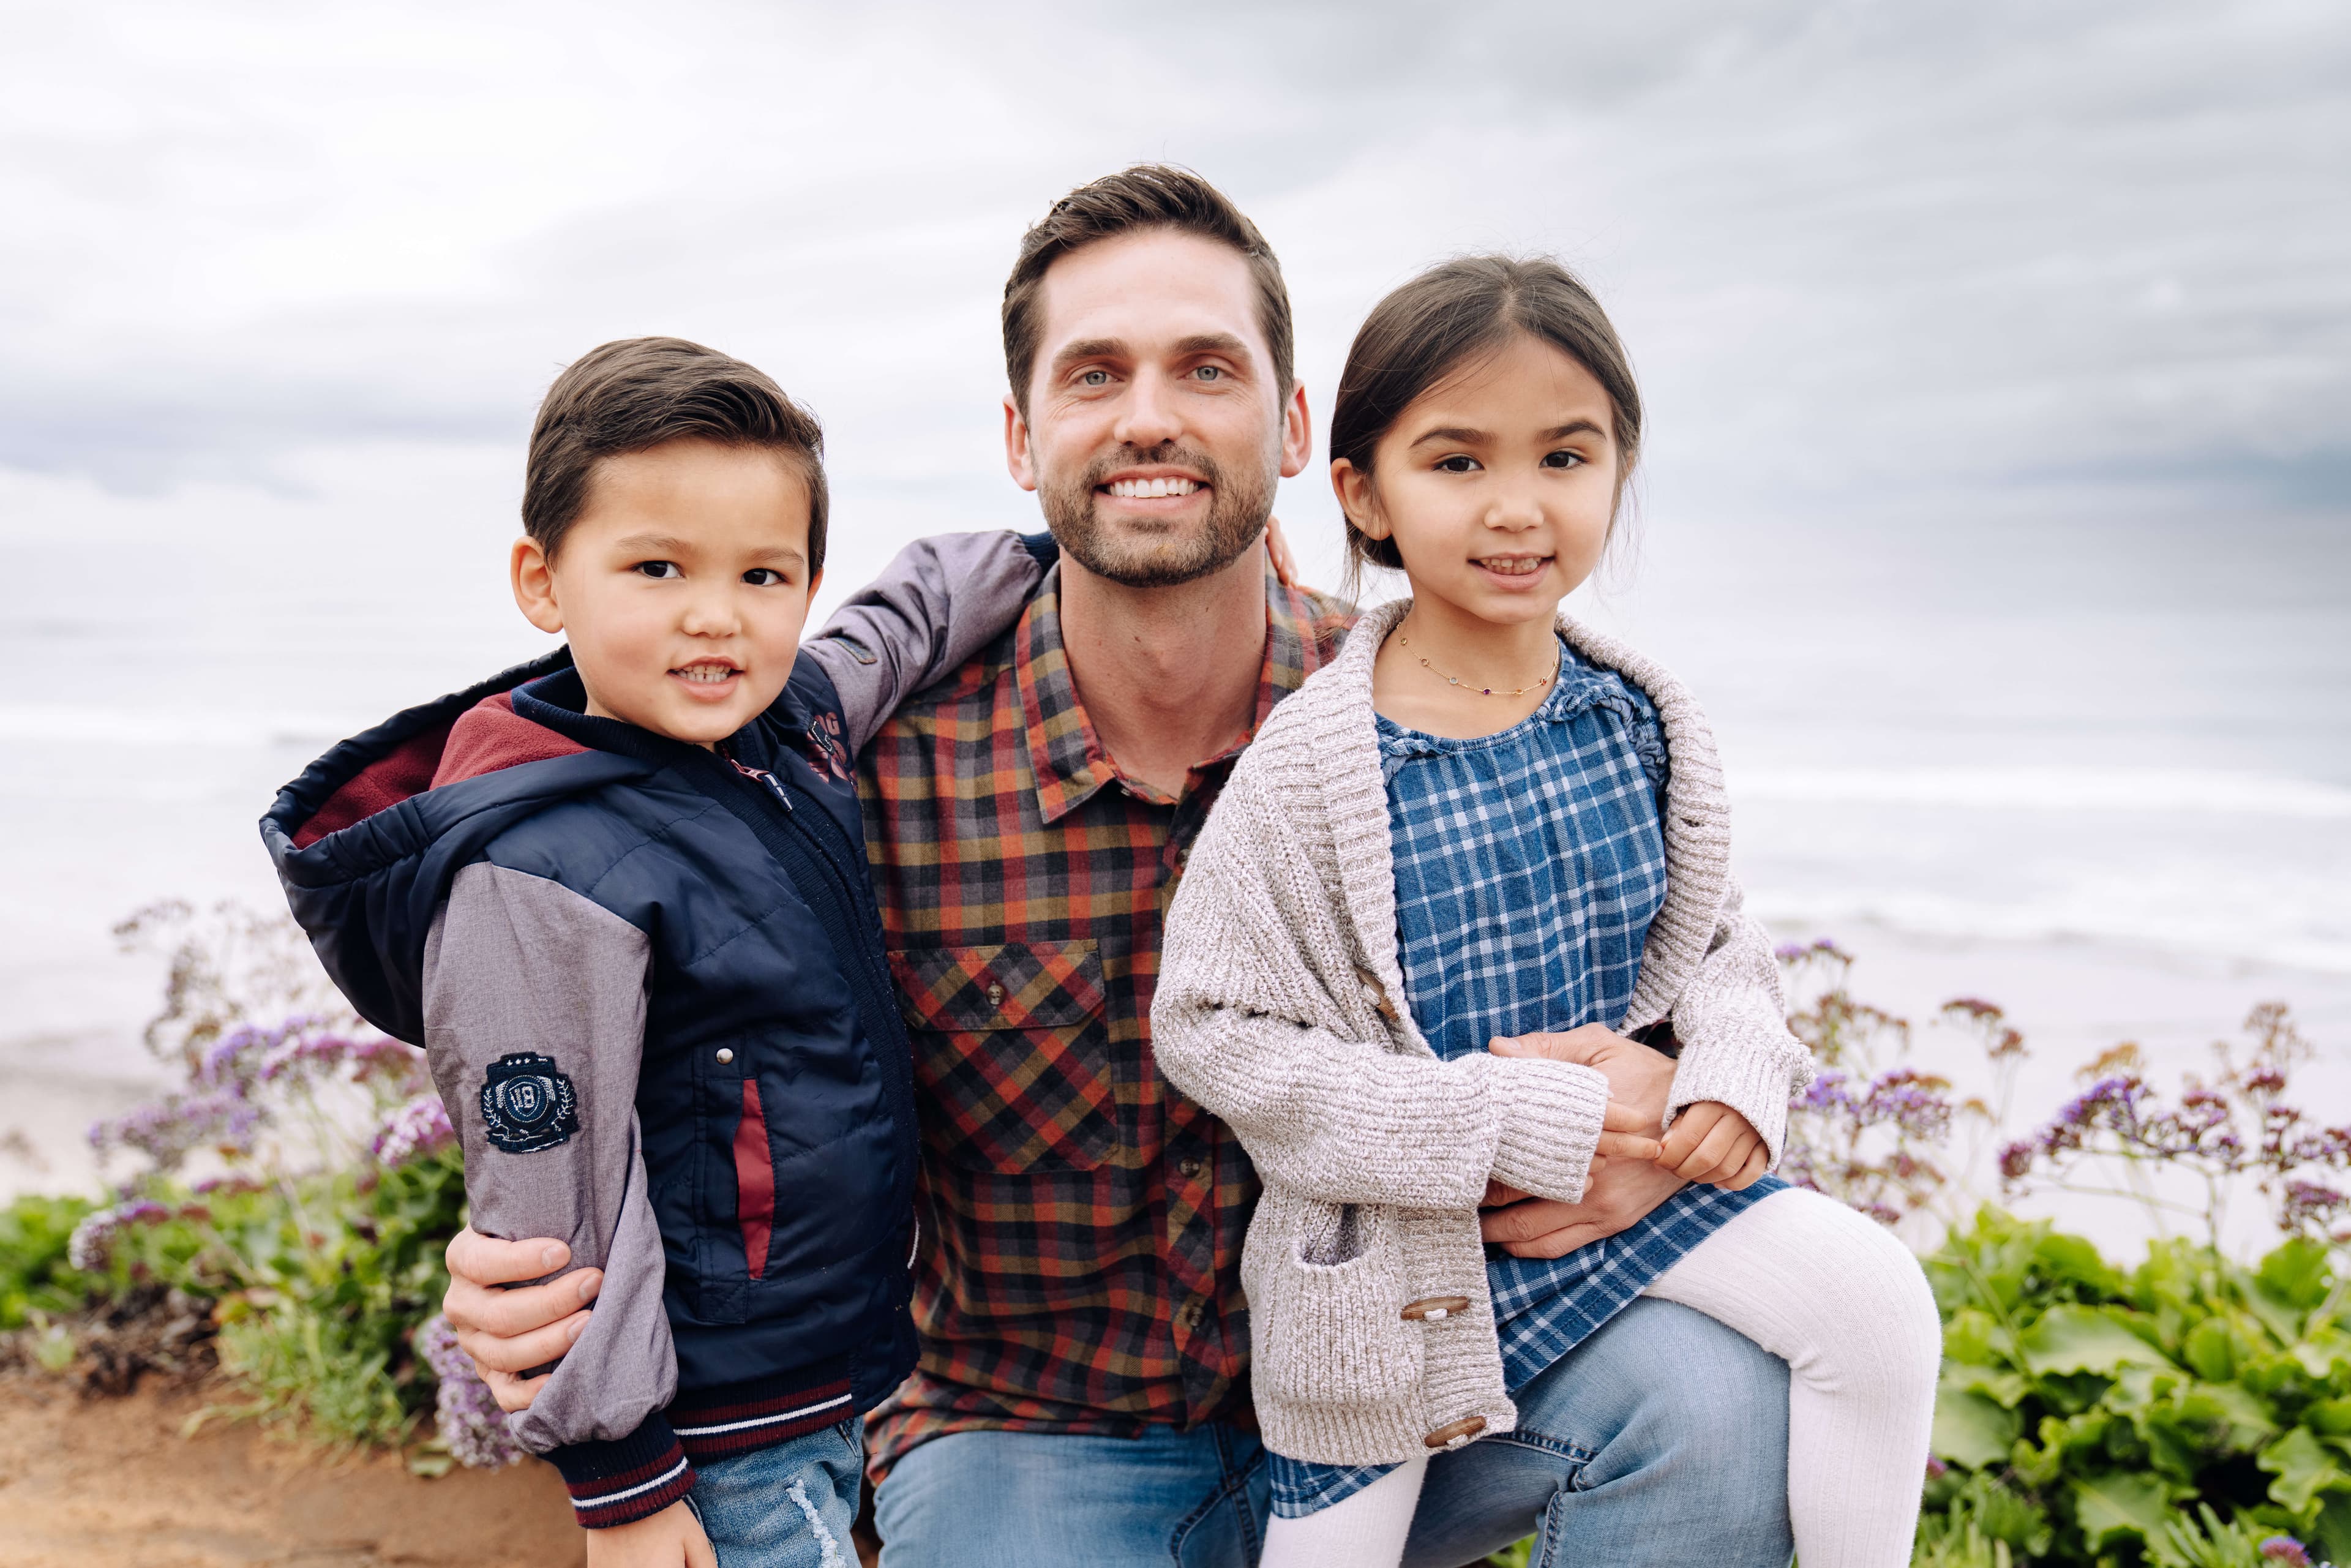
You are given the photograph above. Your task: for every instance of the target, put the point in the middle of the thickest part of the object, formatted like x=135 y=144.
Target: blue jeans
x=789 y=1506
x=1662 y=1439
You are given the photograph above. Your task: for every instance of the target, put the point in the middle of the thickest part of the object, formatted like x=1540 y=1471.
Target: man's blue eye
x=1211 y=372
x=1095 y=379
x=660 y=568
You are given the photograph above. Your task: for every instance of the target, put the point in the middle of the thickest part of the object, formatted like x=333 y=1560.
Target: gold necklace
x=1482 y=691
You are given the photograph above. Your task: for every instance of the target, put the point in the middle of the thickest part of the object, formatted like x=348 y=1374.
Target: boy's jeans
x=1661 y=1439
x=790 y=1506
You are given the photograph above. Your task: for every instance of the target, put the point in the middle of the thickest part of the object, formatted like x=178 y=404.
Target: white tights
x=1829 y=1291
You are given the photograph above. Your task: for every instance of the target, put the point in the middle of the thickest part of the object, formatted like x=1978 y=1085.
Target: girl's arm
x=1242 y=1023
x=938 y=603
x=1732 y=1022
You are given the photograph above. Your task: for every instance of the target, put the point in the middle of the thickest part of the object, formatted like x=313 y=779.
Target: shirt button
x=1189 y=1166
x=725 y=1055
x=1188 y=1315
x=995 y=994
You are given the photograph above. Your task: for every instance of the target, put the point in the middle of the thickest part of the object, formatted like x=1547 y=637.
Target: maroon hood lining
x=486 y=739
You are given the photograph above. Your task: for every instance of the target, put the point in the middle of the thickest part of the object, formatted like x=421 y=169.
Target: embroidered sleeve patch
x=527 y=1104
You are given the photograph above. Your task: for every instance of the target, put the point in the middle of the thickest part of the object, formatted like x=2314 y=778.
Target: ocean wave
x=172 y=727
x=2163 y=791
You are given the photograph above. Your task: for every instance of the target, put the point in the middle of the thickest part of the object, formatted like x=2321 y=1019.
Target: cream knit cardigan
x=1281 y=1007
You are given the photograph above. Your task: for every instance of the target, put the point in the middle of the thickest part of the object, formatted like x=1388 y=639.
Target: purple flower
x=2287 y=1550
x=465 y=1409
x=415 y=1129
x=92 y=1242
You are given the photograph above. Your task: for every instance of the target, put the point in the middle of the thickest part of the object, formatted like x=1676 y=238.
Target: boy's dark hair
x=1146 y=196
x=637 y=394
x=1454 y=313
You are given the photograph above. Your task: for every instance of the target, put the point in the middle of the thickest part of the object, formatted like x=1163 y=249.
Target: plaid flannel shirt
x=1081 y=1221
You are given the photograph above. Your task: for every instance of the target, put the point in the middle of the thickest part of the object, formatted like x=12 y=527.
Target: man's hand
x=1619 y=1193
x=666 y=1539
x=1712 y=1142
x=1621 y=1189
x=1639 y=1078
x=510 y=1332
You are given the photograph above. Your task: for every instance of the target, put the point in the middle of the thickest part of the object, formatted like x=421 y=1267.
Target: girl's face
x=1497 y=483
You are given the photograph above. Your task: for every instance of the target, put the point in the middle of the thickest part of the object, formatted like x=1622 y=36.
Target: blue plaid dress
x=1528 y=865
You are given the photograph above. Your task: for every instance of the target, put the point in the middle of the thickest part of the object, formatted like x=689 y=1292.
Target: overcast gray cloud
x=1869 y=249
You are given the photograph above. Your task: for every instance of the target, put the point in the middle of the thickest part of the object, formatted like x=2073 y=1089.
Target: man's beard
x=1138 y=556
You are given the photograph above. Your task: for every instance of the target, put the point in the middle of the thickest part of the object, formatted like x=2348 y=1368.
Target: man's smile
x=1151 y=486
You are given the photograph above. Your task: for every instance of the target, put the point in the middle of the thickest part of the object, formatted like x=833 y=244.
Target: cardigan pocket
x=1012 y=1052
x=1328 y=1308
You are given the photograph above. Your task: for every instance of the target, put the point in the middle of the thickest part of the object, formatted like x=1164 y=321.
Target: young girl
x=1481 y=822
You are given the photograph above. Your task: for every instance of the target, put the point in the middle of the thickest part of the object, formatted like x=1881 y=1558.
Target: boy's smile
x=683 y=585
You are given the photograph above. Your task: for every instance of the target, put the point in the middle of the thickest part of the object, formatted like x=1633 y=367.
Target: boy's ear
x=534 y=585
x=1357 y=499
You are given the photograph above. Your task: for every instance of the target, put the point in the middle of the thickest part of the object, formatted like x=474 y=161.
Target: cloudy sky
x=280 y=284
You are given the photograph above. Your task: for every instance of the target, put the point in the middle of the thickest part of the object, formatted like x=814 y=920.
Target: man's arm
x=533 y=1023
x=940 y=602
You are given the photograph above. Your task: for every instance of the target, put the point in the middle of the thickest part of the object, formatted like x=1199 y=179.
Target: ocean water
x=2097 y=768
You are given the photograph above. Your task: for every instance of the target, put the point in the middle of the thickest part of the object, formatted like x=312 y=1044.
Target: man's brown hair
x=1147 y=196
x=639 y=392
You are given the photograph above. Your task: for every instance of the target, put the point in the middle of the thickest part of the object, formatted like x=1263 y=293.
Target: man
x=1083 y=1396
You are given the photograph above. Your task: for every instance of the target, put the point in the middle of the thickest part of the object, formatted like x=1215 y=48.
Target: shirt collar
x=1066 y=756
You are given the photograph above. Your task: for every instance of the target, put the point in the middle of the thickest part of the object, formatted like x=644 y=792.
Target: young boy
x=619 y=895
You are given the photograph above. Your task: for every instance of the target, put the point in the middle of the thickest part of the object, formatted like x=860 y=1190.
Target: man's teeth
x=709 y=675
x=1145 y=489
x=1514 y=565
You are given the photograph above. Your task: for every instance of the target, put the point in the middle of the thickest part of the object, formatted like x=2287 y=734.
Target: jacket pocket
x=1012 y=1049
x=1326 y=1288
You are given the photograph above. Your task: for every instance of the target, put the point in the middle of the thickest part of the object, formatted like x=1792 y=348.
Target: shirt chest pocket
x=1012 y=1052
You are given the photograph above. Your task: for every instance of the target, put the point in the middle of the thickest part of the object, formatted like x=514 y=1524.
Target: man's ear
x=1016 y=445
x=534 y=585
x=1297 y=433
x=1358 y=499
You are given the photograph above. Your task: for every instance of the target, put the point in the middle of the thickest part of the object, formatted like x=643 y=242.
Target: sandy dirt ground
x=110 y=1483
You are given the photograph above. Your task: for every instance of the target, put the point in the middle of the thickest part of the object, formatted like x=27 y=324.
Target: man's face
x=1155 y=432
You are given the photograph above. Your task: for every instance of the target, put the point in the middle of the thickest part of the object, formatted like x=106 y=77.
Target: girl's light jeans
x=790 y=1506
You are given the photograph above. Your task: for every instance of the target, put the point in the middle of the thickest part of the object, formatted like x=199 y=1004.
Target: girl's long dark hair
x=1448 y=317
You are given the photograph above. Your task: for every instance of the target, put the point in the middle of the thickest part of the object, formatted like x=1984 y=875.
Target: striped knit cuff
x=716 y=1424
x=1549 y=1113
x=1752 y=1076
x=627 y=1478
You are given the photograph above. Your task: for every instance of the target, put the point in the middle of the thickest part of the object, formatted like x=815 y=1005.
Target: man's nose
x=1146 y=415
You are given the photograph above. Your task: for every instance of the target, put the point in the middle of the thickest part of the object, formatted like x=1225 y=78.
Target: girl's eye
x=1459 y=463
x=661 y=568
x=764 y=577
x=1563 y=460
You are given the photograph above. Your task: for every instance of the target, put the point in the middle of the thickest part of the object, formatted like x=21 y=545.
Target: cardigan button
x=1377 y=994
x=1454 y=1432
x=725 y=1055
x=1435 y=1308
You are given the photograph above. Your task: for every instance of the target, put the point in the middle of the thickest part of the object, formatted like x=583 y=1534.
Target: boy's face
x=683 y=586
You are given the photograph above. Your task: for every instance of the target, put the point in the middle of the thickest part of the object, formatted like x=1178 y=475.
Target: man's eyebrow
x=1089 y=348
x=1213 y=343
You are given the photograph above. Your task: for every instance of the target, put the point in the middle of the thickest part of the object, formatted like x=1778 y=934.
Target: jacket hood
x=368 y=839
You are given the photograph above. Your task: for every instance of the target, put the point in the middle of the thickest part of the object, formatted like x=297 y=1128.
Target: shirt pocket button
x=725 y=1055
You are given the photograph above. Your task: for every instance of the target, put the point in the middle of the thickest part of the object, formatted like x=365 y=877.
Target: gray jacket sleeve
x=534 y=1028
x=941 y=601
x=1732 y=1020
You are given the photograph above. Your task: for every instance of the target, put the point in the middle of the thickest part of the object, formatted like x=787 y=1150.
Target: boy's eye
x=661 y=568
x=1459 y=463
x=1563 y=460
x=764 y=577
